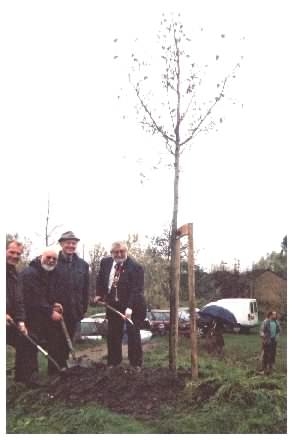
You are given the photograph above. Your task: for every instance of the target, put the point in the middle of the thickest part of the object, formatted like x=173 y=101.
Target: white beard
x=47 y=267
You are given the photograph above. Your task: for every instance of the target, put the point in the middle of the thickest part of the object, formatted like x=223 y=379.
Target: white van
x=244 y=309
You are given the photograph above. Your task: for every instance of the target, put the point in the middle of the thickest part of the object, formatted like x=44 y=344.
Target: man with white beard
x=43 y=315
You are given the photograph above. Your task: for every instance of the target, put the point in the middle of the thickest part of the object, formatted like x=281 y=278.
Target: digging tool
x=41 y=349
x=74 y=361
x=116 y=311
x=259 y=366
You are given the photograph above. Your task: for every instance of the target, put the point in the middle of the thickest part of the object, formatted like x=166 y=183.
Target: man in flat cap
x=72 y=293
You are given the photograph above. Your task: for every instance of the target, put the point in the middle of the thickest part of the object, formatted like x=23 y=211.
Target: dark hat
x=69 y=235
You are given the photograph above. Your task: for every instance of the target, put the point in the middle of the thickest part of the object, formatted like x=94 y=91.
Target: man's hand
x=128 y=313
x=97 y=299
x=57 y=307
x=22 y=328
x=9 y=320
x=56 y=316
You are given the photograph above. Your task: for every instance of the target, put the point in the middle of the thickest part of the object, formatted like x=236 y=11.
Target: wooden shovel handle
x=68 y=339
x=116 y=311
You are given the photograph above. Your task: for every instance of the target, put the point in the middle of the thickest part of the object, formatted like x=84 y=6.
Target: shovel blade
x=80 y=362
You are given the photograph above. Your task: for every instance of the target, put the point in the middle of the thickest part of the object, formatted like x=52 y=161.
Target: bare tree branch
x=187 y=108
x=54 y=228
x=208 y=112
x=155 y=125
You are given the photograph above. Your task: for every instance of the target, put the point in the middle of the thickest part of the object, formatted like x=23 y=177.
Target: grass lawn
x=228 y=397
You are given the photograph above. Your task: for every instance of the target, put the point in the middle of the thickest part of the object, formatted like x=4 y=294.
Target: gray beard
x=119 y=260
x=48 y=268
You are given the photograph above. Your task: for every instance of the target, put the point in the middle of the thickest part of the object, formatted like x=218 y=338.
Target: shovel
x=259 y=365
x=74 y=361
x=41 y=349
x=116 y=311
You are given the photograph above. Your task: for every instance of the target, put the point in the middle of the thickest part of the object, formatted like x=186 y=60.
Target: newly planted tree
x=180 y=107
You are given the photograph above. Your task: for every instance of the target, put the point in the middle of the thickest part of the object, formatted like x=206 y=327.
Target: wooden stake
x=191 y=294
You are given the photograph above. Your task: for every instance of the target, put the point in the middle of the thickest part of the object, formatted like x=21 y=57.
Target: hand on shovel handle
x=57 y=307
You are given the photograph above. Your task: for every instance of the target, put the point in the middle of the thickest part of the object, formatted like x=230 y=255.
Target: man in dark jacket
x=15 y=313
x=43 y=320
x=120 y=283
x=72 y=292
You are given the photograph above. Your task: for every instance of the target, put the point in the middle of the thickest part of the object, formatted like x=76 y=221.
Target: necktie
x=117 y=268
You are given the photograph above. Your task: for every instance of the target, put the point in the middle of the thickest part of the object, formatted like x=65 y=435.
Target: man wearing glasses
x=120 y=283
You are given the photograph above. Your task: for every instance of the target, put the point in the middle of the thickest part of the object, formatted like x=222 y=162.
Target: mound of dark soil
x=121 y=389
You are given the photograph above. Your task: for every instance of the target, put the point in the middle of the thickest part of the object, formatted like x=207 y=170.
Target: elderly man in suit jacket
x=120 y=283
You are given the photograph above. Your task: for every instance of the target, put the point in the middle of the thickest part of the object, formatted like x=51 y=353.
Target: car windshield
x=161 y=316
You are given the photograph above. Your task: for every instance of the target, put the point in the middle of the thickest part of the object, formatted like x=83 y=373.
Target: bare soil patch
x=121 y=389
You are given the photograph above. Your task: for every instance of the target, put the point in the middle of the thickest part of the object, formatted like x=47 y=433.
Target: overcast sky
x=64 y=131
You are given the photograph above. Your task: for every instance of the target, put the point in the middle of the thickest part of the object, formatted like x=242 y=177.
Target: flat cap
x=69 y=235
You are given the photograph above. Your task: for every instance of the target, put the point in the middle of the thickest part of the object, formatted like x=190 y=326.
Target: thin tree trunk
x=175 y=272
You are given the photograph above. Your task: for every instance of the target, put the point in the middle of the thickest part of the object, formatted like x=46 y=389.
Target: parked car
x=96 y=326
x=91 y=328
x=159 y=321
x=184 y=322
x=202 y=324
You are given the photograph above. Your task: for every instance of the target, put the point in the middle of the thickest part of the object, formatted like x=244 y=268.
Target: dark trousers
x=50 y=336
x=25 y=360
x=59 y=349
x=269 y=355
x=114 y=341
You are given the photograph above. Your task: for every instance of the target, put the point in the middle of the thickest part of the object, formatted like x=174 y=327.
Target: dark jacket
x=265 y=329
x=130 y=288
x=14 y=296
x=72 y=286
x=38 y=287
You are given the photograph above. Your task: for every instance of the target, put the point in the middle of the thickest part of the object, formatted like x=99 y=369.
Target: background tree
x=134 y=247
x=183 y=114
x=160 y=245
x=275 y=261
x=95 y=254
x=49 y=232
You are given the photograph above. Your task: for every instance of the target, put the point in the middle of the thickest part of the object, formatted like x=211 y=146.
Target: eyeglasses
x=51 y=258
x=119 y=252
